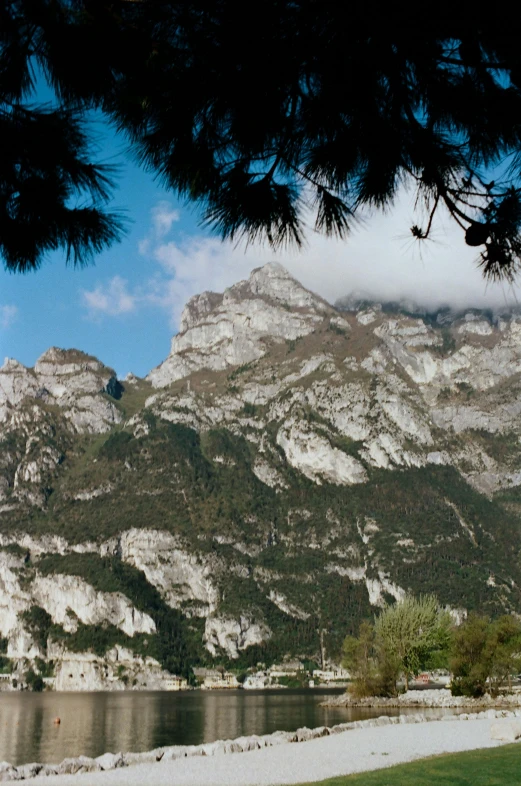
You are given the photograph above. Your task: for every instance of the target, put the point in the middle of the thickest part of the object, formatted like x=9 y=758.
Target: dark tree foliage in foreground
x=263 y=115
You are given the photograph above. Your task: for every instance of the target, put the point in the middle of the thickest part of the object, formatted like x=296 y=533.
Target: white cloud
x=163 y=216
x=195 y=265
x=379 y=258
x=109 y=299
x=8 y=315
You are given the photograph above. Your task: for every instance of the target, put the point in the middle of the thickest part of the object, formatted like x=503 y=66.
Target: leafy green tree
x=50 y=191
x=468 y=662
x=388 y=670
x=374 y=665
x=410 y=630
x=262 y=124
x=485 y=654
x=504 y=649
x=359 y=658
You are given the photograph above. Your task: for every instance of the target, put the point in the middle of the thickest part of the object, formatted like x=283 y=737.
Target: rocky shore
x=434 y=699
x=113 y=761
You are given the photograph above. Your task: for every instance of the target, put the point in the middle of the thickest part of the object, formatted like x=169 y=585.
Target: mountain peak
x=377 y=455
x=275 y=282
x=222 y=330
x=66 y=361
x=67 y=378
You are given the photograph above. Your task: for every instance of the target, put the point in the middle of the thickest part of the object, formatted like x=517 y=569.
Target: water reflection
x=93 y=723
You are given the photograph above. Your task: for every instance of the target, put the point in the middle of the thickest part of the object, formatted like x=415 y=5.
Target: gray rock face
x=220 y=331
x=62 y=594
x=314 y=456
x=420 y=382
x=68 y=379
x=318 y=402
x=65 y=392
x=232 y=636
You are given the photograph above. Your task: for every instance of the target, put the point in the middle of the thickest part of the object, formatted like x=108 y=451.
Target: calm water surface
x=94 y=723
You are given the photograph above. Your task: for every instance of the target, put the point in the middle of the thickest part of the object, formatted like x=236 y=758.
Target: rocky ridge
x=289 y=467
x=221 y=331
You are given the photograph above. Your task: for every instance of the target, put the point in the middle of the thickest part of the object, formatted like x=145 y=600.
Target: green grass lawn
x=491 y=767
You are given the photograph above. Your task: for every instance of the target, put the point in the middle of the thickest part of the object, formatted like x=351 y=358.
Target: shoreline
x=360 y=749
x=122 y=768
x=436 y=698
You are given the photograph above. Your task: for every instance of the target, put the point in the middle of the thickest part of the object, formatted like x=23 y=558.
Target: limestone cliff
x=289 y=467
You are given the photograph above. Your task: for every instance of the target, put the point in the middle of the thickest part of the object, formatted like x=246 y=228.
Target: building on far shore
x=257 y=681
x=333 y=674
x=215 y=679
x=290 y=668
x=176 y=683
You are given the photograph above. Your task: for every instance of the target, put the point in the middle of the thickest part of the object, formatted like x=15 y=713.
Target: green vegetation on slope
x=503 y=447
x=177 y=643
x=425 y=528
x=95 y=638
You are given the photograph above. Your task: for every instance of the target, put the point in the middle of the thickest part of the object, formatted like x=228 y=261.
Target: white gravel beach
x=356 y=750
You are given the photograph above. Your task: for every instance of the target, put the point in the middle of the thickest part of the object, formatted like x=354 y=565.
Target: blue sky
x=126 y=307
x=51 y=306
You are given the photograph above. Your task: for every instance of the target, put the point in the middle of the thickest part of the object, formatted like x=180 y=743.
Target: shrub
x=484 y=655
x=39 y=624
x=360 y=658
x=34 y=681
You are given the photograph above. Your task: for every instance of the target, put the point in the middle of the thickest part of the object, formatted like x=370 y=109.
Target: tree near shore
x=504 y=644
x=359 y=658
x=403 y=639
x=485 y=655
x=262 y=125
x=411 y=630
x=415 y=633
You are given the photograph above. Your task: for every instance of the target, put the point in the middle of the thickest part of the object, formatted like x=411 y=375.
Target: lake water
x=94 y=723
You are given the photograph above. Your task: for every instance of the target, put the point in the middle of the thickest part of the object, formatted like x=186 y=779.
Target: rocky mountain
x=290 y=467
